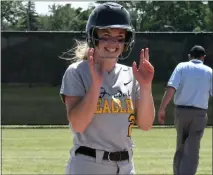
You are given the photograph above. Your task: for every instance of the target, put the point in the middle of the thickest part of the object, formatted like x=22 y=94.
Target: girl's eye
x=104 y=38
x=108 y=38
x=121 y=40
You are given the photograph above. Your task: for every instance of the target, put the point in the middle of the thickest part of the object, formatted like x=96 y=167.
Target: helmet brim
x=126 y=27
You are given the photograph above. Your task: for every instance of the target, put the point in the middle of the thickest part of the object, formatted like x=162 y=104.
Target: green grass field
x=41 y=105
x=46 y=151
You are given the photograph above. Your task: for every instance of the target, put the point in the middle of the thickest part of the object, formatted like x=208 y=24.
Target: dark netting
x=33 y=58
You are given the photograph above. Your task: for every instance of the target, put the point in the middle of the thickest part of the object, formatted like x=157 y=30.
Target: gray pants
x=190 y=125
x=81 y=164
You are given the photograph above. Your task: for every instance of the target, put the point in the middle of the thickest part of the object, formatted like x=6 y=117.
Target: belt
x=189 y=107
x=111 y=156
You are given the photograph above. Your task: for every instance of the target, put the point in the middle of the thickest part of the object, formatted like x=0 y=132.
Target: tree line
x=189 y=16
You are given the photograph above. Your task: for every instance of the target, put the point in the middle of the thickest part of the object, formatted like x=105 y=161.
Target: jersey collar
x=196 y=61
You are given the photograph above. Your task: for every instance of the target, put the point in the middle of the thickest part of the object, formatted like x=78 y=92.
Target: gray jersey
x=111 y=127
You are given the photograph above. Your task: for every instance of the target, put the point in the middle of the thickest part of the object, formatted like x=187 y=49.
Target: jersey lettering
x=132 y=123
x=115 y=106
x=106 y=108
x=99 y=110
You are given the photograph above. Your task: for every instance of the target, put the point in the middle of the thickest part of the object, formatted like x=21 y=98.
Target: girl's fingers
x=90 y=52
x=147 y=54
x=142 y=56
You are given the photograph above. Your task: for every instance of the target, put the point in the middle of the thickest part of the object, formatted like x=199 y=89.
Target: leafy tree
x=209 y=16
x=83 y=15
x=44 y=21
x=65 y=18
x=167 y=16
x=146 y=16
x=29 y=17
x=10 y=12
x=183 y=16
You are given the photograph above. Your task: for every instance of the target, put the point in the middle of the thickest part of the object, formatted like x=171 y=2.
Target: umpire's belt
x=189 y=107
x=111 y=156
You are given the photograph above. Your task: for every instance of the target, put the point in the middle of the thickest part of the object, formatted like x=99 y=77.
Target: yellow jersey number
x=131 y=124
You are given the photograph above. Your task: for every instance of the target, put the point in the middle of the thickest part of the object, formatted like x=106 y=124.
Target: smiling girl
x=104 y=99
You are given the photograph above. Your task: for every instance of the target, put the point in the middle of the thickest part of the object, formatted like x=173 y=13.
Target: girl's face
x=110 y=43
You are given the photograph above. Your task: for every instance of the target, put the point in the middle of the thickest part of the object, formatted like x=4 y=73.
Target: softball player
x=105 y=99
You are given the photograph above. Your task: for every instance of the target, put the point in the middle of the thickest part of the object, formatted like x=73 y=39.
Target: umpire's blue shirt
x=193 y=83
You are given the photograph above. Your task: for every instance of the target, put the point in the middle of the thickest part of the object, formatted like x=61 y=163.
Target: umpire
x=191 y=82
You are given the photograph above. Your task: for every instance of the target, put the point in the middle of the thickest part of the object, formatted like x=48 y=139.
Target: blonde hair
x=78 y=53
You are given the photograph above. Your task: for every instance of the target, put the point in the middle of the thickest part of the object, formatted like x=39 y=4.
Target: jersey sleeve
x=175 y=78
x=72 y=83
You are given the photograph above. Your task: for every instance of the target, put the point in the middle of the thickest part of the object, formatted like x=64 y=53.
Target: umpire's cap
x=197 y=51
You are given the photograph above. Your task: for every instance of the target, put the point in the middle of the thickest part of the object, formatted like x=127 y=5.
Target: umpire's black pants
x=190 y=125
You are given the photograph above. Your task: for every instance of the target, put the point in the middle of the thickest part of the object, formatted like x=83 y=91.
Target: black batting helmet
x=110 y=15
